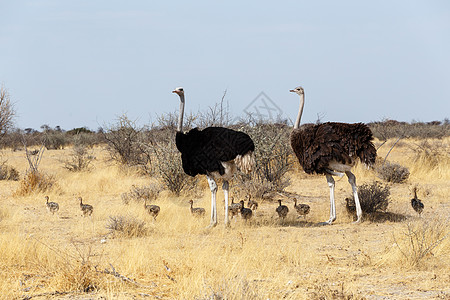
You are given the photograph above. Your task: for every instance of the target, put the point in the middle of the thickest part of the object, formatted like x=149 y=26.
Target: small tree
x=6 y=112
x=124 y=144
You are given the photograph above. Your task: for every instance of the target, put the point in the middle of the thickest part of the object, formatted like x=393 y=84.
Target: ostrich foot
x=329 y=222
x=358 y=221
x=212 y=225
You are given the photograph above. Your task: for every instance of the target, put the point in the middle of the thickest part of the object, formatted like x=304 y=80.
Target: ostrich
x=246 y=213
x=52 y=206
x=252 y=204
x=153 y=210
x=197 y=211
x=215 y=152
x=282 y=210
x=332 y=149
x=416 y=203
x=234 y=208
x=85 y=208
x=302 y=209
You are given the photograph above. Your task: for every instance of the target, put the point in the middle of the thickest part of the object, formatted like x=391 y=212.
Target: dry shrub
x=128 y=227
x=431 y=154
x=420 y=239
x=272 y=156
x=124 y=144
x=392 y=172
x=35 y=182
x=169 y=168
x=140 y=194
x=8 y=173
x=79 y=160
x=373 y=197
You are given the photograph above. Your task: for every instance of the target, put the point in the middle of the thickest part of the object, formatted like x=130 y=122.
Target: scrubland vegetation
x=121 y=252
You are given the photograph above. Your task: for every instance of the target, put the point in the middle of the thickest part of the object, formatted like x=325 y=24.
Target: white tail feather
x=245 y=162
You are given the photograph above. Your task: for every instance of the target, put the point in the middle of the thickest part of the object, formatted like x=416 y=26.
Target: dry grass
x=68 y=256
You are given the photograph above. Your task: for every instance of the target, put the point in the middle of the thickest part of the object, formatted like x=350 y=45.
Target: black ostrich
x=416 y=203
x=332 y=149
x=216 y=152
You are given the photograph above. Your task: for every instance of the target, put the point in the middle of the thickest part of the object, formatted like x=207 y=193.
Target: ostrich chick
x=85 y=208
x=52 y=206
x=246 y=213
x=252 y=204
x=197 y=211
x=153 y=210
x=302 y=209
x=282 y=210
x=235 y=208
x=416 y=203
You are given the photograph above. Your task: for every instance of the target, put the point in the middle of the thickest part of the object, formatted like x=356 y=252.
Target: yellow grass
x=68 y=256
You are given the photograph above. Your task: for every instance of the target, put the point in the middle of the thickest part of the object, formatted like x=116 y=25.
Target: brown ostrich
x=332 y=149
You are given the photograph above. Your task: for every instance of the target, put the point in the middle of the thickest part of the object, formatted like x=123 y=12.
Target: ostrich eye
x=180 y=90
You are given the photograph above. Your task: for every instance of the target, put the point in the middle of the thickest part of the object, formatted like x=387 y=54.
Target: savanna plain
x=396 y=255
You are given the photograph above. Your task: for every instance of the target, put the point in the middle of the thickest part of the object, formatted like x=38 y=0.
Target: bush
x=8 y=172
x=35 y=182
x=129 y=227
x=169 y=167
x=430 y=154
x=139 y=194
x=272 y=157
x=420 y=238
x=124 y=144
x=79 y=160
x=392 y=172
x=372 y=197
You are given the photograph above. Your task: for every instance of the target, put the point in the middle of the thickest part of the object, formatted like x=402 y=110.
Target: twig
x=26 y=297
x=391 y=149
x=122 y=277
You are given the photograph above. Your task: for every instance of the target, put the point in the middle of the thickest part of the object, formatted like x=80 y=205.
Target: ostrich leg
x=213 y=186
x=352 y=181
x=330 y=181
x=225 y=188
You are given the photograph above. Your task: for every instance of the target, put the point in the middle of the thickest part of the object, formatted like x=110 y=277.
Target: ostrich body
x=235 y=208
x=416 y=203
x=332 y=149
x=153 y=210
x=302 y=209
x=197 y=211
x=282 y=210
x=85 y=208
x=252 y=204
x=246 y=213
x=52 y=206
x=216 y=152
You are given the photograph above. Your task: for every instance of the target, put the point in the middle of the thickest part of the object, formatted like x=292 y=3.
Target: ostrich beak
x=292 y=91
x=176 y=92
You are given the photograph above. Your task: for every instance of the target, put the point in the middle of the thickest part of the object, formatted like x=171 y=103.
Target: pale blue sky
x=83 y=63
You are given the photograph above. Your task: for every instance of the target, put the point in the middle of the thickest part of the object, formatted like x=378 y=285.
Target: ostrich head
x=179 y=91
x=298 y=90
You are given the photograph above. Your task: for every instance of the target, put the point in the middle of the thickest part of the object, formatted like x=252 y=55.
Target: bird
x=282 y=210
x=246 y=213
x=197 y=211
x=302 y=209
x=416 y=203
x=52 y=206
x=252 y=204
x=153 y=210
x=332 y=149
x=234 y=208
x=85 y=208
x=350 y=206
x=216 y=152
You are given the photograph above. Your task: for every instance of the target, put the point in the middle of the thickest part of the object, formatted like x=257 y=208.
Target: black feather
x=202 y=151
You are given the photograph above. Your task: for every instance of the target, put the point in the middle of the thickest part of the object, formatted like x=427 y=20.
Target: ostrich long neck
x=300 y=111
x=180 y=117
